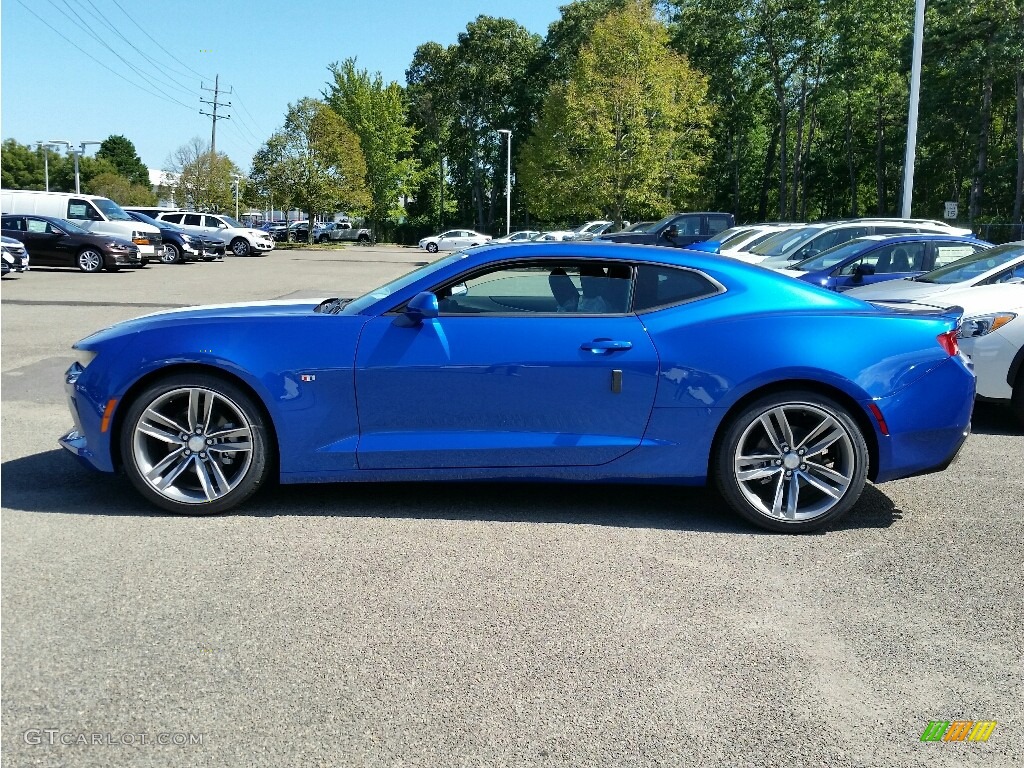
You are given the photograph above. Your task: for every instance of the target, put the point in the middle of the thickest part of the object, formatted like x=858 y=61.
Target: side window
x=1006 y=275
x=14 y=223
x=215 y=223
x=688 y=225
x=836 y=237
x=658 y=286
x=894 y=230
x=570 y=287
x=901 y=257
x=82 y=210
x=947 y=253
x=717 y=224
x=193 y=220
x=174 y=218
x=38 y=226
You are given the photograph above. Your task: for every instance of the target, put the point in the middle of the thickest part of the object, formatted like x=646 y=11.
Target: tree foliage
x=314 y=161
x=121 y=153
x=119 y=189
x=378 y=115
x=629 y=131
x=204 y=178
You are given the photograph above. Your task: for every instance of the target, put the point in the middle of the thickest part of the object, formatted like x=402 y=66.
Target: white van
x=97 y=214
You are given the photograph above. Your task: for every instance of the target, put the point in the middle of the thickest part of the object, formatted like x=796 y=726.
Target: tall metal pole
x=508 y=182
x=915 y=93
x=78 y=188
x=46 y=162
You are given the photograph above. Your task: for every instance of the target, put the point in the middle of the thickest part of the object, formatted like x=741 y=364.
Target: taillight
x=947 y=341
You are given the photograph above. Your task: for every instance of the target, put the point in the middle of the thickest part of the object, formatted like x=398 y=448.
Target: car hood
x=904 y=289
x=246 y=310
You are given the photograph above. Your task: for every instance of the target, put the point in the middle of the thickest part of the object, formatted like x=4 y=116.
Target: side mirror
x=422 y=306
x=671 y=232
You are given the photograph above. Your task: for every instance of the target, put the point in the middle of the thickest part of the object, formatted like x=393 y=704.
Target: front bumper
x=262 y=245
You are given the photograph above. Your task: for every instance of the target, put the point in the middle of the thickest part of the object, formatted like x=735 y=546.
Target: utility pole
x=216 y=91
x=915 y=92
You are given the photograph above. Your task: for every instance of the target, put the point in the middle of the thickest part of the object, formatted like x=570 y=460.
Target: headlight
x=84 y=356
x=118 y=246
x=982 y=325
x=8 y=257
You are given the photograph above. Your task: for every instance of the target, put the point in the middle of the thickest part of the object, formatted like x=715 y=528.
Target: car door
x=533 y=363
x=681 y=231
x=888 y=262
x=44 y=245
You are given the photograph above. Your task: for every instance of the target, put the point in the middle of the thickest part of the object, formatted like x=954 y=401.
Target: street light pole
x=46 y=161
x=237 y=179
x=915 y=93
x=76 y=153
x=508 y=183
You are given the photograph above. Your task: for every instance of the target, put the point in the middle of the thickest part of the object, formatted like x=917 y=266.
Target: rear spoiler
x=953 y=313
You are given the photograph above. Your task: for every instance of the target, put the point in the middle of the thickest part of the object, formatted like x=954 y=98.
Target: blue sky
x=271 y=53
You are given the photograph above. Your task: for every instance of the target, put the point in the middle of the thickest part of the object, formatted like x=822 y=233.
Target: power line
x=158 y=44
x=252 y=120
x=102 y=42
x=157 y=67
x=89 y=55
x=248 y=125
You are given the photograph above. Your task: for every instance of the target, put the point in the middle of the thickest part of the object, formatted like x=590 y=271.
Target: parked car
x=15 y=256
x=57 y=242
x=552 y=236
x=1001 y=264
x=792 y=246
x=516 y=237
x=734 y=238
x=240 y=241
x=453 y=240
x=591 y=229
x=992 y=336
x=678 y=229
x=878 y=258
x=344 y=232
x=178 y=245
x=497 y=364
x=90 y=212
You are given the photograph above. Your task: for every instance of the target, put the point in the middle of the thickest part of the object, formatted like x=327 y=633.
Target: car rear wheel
x=364 y=239
x=195 y=444
x=792 y=462
x=432 y=247
x=171 y=254
x=90 y=260
x=240 y=246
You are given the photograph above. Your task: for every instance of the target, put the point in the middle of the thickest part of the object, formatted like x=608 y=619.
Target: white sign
x=952 y=210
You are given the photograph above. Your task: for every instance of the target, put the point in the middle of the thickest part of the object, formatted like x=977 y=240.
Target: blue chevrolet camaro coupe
x=560 y=361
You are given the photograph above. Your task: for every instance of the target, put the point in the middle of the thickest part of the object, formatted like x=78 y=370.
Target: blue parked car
x=877 y=258
x=574 y=362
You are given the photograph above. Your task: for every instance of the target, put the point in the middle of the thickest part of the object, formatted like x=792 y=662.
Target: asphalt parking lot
x=479 y=625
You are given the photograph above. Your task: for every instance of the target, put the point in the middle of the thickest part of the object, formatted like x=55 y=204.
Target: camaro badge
x=308 y=377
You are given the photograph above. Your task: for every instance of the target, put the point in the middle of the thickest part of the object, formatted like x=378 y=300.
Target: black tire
x=90 y=260
x=432 y=247
x=153 y=447
x=172 y=254
x=240 y=247
x=364 y=239
x=1017 y=400
x=769 y=445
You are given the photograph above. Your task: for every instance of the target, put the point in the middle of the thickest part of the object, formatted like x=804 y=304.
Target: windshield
x=643 y=226
x=232 y=222
x=785 y=241
x=158 y=224
x=71 y=228
x=728 y=234
x=831 y=257
x=974 y=265
x=364 y=301
x=111 y=210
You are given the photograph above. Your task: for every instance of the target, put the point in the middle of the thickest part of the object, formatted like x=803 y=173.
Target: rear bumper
x=928 y=422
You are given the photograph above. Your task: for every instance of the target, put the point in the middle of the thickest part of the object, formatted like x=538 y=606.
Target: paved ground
x=440 y=625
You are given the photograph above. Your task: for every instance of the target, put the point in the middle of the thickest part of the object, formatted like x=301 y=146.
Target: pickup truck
x=678 y=230
x=343 y=231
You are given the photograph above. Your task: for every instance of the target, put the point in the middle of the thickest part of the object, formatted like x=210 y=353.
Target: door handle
x=604 y=346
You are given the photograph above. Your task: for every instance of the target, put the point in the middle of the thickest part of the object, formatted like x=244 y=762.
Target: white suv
x=239 y=239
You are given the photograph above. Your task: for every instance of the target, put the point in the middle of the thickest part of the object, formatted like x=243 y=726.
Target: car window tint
x=551 y=287
x=836 y=237
x=688 y=225
x=37 y=225
x=174 y=218
x=1007 y=275
x=947 y=253
x=215 y=223
x=659 y=286
x=82 y=210
x=897 y=258
x=717 y=224
x=17 y=224
x=194 y=220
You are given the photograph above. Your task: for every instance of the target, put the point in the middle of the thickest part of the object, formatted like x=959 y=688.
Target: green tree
x=378 y=115
x=629 y=132
x=21 y=167
x=316 y=156
x=204 y=178
x=120 y=189
x=121 y=152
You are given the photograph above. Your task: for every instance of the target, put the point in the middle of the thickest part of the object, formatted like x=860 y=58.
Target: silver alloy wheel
x=794 y=462
x=171 y=254
x=432 y=247
x=239 y=247
x=193 y=445
x=90 y=260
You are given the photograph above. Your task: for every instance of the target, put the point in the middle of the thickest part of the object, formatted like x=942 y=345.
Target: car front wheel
x=432 y=247
x=195 y=444
x=792 y=462
x=90 y=260
x=240 y=246
x=171 y=254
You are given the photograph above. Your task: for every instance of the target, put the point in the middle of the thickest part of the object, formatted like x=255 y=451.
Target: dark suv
x=678 y=230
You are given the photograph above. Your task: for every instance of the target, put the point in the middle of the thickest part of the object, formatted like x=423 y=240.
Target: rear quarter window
x=947 y=253
x=658 y=286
